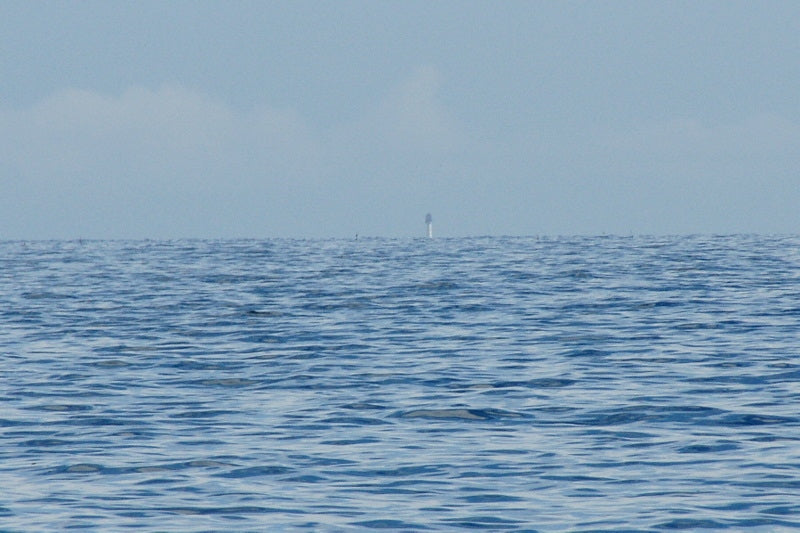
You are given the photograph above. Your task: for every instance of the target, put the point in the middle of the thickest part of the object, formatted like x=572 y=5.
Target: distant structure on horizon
x=429 y=222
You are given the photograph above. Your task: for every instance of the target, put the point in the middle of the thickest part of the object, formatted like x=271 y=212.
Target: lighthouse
x=429 y=223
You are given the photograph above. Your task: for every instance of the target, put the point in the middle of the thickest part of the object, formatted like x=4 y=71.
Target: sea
x=576 y=383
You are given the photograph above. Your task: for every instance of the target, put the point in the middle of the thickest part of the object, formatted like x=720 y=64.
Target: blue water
x=559 y=384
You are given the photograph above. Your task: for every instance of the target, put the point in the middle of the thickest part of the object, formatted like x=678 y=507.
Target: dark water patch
x=363 y=406
x=61 y=407
x=394 y=473
x=46 y=443
x=306 y=479
x=79 y=468
x=685 y=414
x=5 y=423
x=231 y=511
x=538 y=383
x=358 y=421
x=491 y=498
x=482 y=522
x=787 y=510
x=267 y=313
x=709 y=448
x=691 y=524
x=750 y=419
x=773 y=438
x=595 y=529
x=787 y=483
x=325 y=461
x=255 y=471
x=754 y=523
x=96 y=421
x=586 y=352
x=394 y=525
x=351 y=442
x=225 y=382
x=461 y=414
x=203 y=413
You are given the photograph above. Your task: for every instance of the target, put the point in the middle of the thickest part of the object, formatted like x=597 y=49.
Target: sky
x=315 y=119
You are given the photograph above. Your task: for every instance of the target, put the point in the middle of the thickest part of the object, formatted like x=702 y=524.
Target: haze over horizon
x=311 y=119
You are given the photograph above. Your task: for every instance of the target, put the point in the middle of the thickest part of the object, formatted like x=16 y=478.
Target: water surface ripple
x=520 y=384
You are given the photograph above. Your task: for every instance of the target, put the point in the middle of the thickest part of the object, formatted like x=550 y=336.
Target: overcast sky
x=166 y=119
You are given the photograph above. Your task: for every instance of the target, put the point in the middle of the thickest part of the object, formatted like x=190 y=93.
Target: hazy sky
x=169 y=119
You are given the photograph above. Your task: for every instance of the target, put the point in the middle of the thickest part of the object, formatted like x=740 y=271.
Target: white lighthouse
x=429 y=222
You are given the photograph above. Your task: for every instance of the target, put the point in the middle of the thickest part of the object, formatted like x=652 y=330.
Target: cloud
x=409 y=119
x=173 y=161
x=389 y=161
x=688 y=175
x=172 y=127
x=413 y=114
x=154 y=158
x=730 y=163
x=754 y=137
